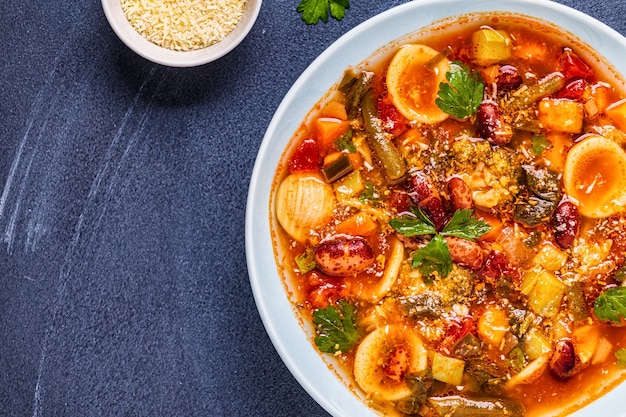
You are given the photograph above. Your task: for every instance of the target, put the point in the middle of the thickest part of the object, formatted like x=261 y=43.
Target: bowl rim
x=168 y=57
x=311 y=371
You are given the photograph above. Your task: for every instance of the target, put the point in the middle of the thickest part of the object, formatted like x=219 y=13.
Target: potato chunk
x=561 y=115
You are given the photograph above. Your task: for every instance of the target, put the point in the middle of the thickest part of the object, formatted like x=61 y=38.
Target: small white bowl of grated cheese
x=181 y=33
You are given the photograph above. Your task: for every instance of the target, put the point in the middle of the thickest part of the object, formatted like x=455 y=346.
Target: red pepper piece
x=572 y=66
x=573 y=91
x=306 y=157
x=392 y=121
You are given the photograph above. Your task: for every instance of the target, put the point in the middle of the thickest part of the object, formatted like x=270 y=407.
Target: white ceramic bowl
x=143 y=47
x=291 y=339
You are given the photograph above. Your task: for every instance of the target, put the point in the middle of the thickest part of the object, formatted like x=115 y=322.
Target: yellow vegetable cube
x=447 y=369
x=493 y=325
x=545 y=292
x=550 y=257
x=490 y=46
x=349 y=186
x=561 y=115
x=617 y=113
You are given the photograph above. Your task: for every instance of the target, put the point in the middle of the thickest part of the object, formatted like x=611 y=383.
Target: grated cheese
x=184 y=25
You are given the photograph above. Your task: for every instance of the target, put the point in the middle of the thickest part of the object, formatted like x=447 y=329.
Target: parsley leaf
x=611 y=305
x=418 y=224
x=433 y=258
x=539 y=143
x=620 y=354
x=464 y=225
x=315 y=10
x=344 y=142
x=463 y=93
x=335 y=328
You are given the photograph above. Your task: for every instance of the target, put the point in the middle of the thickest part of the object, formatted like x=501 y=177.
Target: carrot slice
x=329 y=129
x=360 y=224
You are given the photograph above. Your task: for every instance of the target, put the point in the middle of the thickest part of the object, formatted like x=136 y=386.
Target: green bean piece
x=526 y=96
x=457 y=406
x=355 y=91
x=392 y=162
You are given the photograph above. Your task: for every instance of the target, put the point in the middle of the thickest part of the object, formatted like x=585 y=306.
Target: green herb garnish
x=539 y=143
x=306 y=261
x=611 y=305
x=463 y=93
x=315 y=10
x=415 y=225
x=434 y=258
x=620 y=354
x=465 y=226
x=344 y=142
x=335 y=327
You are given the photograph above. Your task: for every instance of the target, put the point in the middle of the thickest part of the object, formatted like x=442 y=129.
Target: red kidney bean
x=564 y=361
x=566 y=224
x=397 y=363
x=508 y=78
x=344 y=256
x=424 y=194
x=491 y=124
x=460 y=194
x=465 y=252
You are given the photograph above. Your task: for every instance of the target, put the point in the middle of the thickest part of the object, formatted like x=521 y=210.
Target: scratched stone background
x=123 y=283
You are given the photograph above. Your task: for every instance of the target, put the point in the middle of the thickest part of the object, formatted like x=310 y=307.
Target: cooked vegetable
x=525 y=96
x=490 y=46
x=338 y=168
x=447 y=369
x=456 y=406
x=315 y=10
x=620 y=354
x=463 y=93
x=561 y=115
x=306 y=261
x=392 y=163
x=335 y=328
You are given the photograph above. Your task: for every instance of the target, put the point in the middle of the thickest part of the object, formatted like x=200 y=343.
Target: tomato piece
x=456 y=331
x=326 y=294
x=572 y=66
x=306 y=157
x=392 y=121
x=573 y=90
x=399 y=201
x=497 y=265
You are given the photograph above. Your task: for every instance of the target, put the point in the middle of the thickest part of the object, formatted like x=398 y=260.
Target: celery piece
x=349 y=186
x=536 y=344
x=490 y=46
x=457 y=406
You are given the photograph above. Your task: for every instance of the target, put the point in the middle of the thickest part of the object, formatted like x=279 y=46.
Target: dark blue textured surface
x=123 y=284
